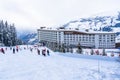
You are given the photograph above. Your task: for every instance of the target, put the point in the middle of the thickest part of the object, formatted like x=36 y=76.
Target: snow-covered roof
x=79 y=30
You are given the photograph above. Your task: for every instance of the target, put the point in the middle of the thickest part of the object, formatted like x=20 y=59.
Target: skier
x=48 y=52
x=119 y=55
x=17 y=48
x=43 y=44
x=97 y=52
x=43 y=52
x=38 y=51
x=24 y=48
x=6 y=48
x=30 y=49
x=10 y=48
x=2 y=50
x=13 y=50
x=112 y=54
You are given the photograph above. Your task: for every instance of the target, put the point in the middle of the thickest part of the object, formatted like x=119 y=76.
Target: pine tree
x=8 y=35
x=13 y=35
x=1 y=30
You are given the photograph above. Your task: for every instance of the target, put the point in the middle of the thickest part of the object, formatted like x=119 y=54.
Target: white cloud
x=35 y=13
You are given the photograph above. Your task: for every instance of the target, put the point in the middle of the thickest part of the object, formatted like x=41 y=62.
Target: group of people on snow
x=15 y=49
x=44 y=52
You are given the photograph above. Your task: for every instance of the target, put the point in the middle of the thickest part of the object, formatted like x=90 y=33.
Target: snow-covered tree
x=13 y=34
x=8 y=34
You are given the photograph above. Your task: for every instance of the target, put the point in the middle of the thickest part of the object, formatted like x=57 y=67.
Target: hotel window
x=73 y=36
x=70 y=36
x=76 y=38
x=108 y=40
x=104 y=40
x=67 y=36
x=112 y=40
x=86 y=38
x=100 y=40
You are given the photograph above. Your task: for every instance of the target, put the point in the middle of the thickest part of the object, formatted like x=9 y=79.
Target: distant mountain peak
x=29 y=38
x=99 y=22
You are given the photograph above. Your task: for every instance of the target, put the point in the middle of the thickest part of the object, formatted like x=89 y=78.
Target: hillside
x=27 y=65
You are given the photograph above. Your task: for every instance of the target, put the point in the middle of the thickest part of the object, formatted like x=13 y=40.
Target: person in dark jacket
x=38 y=51
x=2 y=50
x=43 y=52
x=31 y=49
x=13 y=50
x=48 y=53
x=17 y=49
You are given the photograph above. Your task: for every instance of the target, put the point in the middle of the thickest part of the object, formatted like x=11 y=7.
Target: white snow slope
x=26 y=65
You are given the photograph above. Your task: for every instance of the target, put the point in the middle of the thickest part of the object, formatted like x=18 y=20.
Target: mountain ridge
x=95 y=22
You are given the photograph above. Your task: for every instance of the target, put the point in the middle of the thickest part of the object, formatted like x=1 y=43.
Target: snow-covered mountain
x=100 y=22
x=29 y=38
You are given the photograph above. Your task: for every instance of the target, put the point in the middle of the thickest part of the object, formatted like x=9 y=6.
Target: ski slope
x=27 y=65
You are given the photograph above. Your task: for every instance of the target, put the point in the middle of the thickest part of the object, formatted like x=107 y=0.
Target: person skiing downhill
x=17 y=48
x=31 y=49
x=48 y=53
x=2 y=50
x=38 y=51
x=13 y=50
x=43 y=52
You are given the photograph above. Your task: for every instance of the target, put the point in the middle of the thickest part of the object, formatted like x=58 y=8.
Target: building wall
x=83 y=39
x=71 y=37
x=50 y=36
x=107 y=40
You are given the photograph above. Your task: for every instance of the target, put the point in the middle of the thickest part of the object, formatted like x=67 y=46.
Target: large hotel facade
x=72 y=37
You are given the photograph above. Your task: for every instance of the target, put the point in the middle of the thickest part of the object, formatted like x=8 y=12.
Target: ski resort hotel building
x=72 y=37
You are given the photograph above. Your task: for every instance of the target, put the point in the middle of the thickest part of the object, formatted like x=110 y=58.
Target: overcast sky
x=36 y=13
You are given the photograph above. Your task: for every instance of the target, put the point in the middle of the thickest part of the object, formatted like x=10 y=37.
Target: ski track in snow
x=26 y=65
